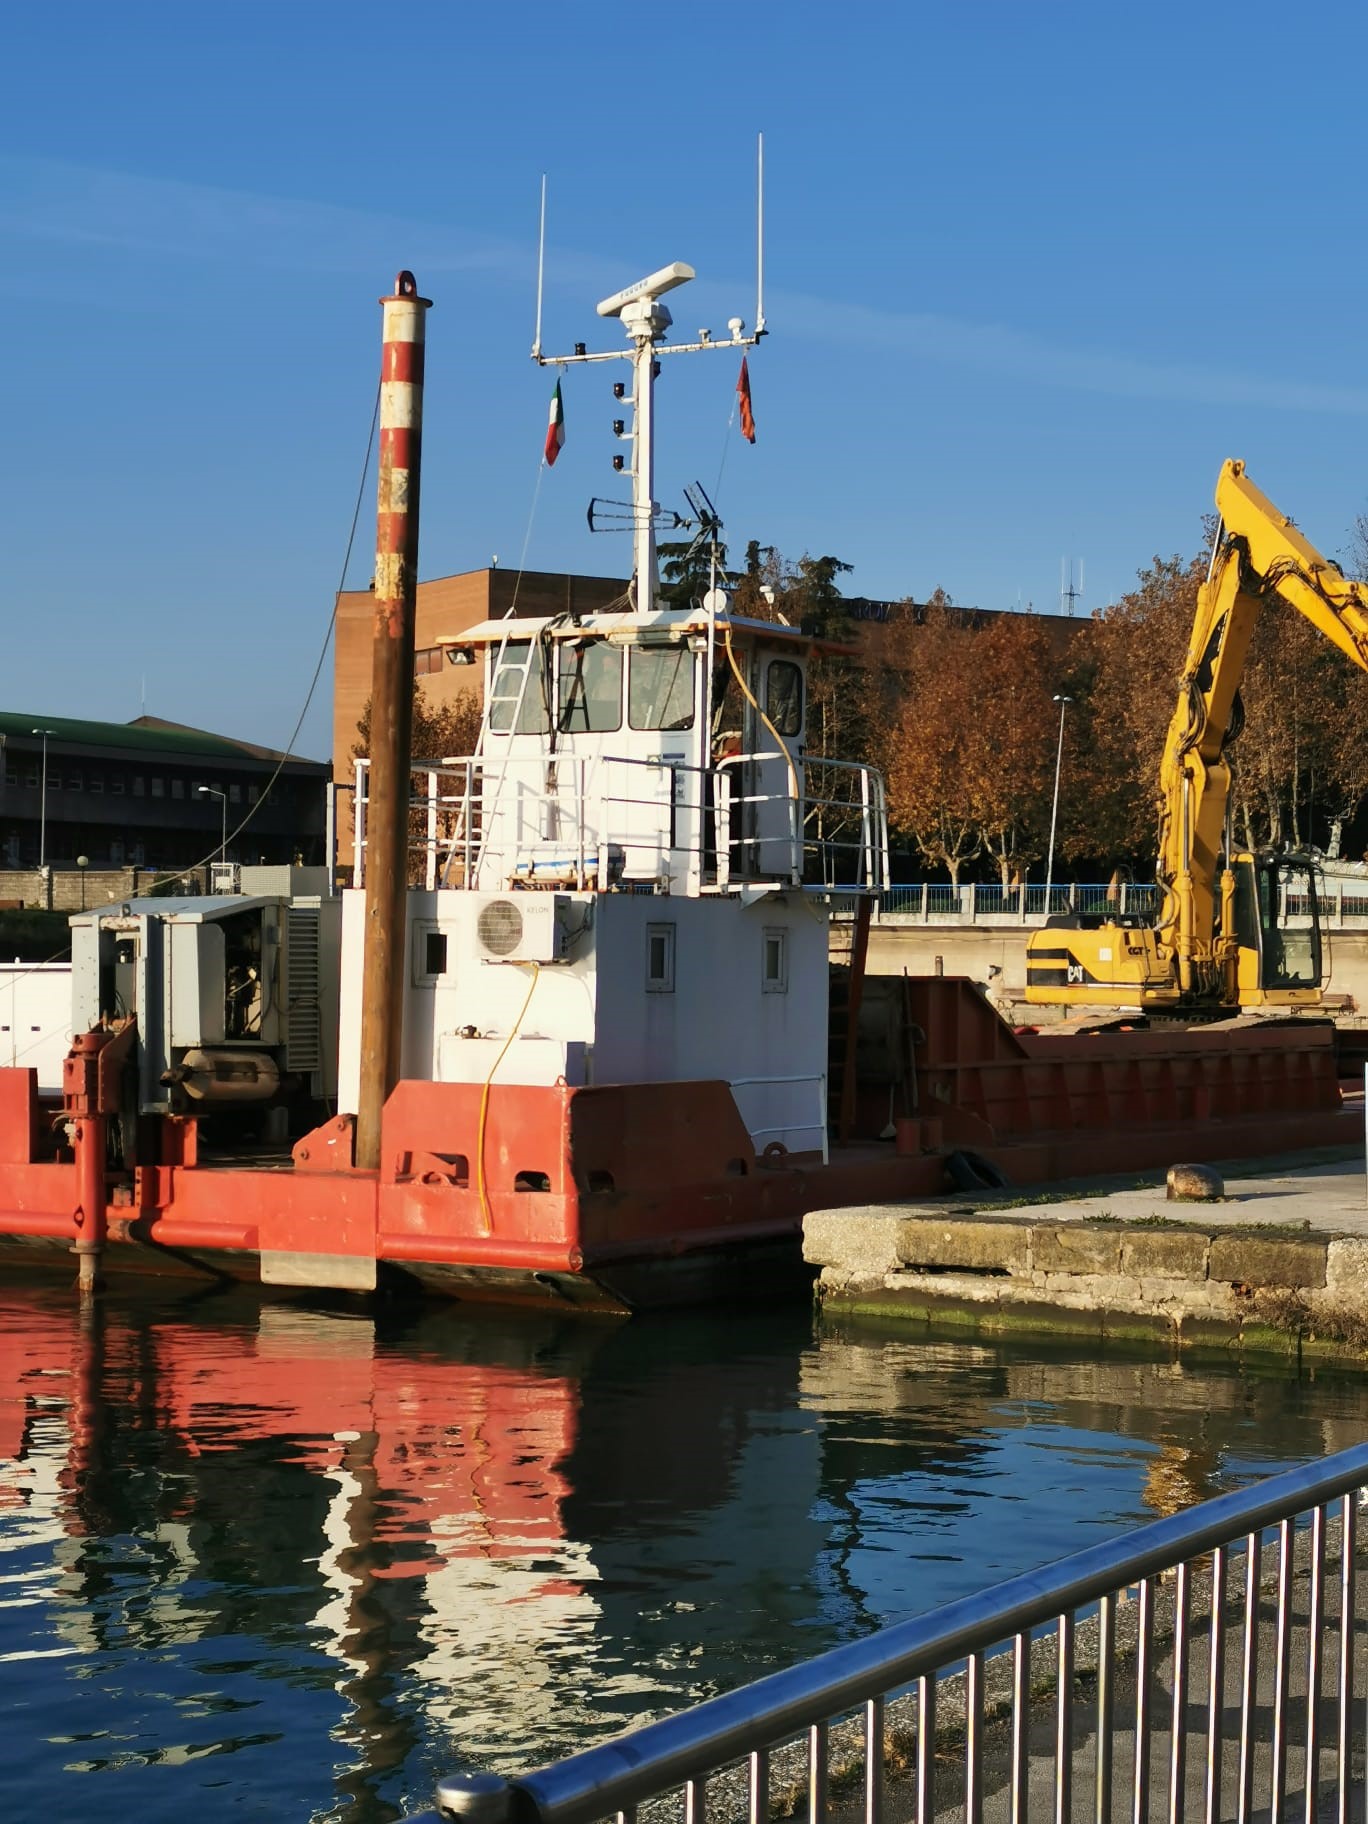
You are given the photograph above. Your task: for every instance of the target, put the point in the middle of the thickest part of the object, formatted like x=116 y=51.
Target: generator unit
x=235 y=996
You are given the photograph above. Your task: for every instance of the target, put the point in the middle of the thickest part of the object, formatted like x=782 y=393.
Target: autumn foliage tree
x=440 y=731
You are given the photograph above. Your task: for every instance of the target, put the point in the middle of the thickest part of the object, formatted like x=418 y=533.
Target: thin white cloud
x=49 y=200
x=993 y=348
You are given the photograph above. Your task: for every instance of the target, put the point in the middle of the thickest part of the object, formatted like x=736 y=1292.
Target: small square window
x=158 y=787
x=94 y=784
x=774 y=973
x=116 y=784
x=235 y=794
x=178 y=788
x=429 y=954
x=139 y=786
x=73 y=782
x=660 y=959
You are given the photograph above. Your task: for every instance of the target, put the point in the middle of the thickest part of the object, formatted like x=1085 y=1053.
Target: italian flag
x=555 y=430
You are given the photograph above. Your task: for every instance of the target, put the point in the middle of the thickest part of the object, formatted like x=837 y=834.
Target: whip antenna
x=541 y=267
x=759 y=235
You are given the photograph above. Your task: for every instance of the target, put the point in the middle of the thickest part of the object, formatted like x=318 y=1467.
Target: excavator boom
x=1203 y=952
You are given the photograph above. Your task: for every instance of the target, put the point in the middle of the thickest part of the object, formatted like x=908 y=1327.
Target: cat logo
x=1075 y=974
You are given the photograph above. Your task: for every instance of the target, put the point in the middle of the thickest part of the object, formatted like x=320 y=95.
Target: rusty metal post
x=81 y=1099
x=396 y=584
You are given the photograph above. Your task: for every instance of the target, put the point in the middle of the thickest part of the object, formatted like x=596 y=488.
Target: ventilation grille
x=500 y=927
x=304 y=1026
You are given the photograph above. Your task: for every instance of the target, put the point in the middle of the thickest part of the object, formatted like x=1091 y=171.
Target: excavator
x=1235 y=931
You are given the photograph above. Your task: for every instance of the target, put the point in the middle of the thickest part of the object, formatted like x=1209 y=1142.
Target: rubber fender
x=972 y=1172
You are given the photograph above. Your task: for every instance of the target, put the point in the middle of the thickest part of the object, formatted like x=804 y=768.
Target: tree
x=441 y=731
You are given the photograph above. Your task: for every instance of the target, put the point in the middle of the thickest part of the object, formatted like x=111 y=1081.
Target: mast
x=396 y=594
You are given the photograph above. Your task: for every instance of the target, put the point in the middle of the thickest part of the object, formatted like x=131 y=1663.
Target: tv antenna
x=1068 y=594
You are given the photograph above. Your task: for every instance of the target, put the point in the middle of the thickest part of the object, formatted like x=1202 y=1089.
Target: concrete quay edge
x=1280 y=1265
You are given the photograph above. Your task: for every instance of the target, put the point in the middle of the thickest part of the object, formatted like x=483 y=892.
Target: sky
x=1031 y=273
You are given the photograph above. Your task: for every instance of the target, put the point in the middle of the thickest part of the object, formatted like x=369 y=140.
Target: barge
x=574 y=1034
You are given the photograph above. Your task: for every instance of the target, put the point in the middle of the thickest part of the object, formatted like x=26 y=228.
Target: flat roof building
x=151 y=793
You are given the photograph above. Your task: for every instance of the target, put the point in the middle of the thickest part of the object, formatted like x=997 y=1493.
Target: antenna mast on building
x=1068 y=594
x=646 y=320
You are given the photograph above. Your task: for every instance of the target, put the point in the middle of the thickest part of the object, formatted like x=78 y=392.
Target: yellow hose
x=746 y=693
x=486 y=1215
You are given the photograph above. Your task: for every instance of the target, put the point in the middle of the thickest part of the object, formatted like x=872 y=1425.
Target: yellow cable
x=746 y=692
x=485 y=1213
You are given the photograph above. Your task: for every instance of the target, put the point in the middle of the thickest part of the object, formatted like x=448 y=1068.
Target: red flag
x=744 y=401
x=555 y=430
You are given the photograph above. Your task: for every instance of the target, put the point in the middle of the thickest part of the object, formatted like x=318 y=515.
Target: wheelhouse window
x=590 y=688
x=784 y=696
x=660 y=687
x=520 y=689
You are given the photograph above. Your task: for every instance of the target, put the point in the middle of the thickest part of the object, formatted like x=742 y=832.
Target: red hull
x=620 y=1195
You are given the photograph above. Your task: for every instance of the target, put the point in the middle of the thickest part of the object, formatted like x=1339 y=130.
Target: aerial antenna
x=1068 y=594
x=541 y=267
x=759 y=235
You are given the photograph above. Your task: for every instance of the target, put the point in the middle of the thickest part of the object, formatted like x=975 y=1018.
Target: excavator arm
x=1191 y=957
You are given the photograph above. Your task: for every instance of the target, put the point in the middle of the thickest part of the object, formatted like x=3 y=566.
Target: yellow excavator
x=1234 y=930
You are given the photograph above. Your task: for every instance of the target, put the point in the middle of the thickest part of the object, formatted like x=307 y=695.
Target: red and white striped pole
x=396 y=585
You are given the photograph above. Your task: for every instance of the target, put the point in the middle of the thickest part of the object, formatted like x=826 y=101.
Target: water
x=263 y=1562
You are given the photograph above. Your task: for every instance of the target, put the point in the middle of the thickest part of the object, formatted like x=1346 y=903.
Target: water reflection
x=303 y=1562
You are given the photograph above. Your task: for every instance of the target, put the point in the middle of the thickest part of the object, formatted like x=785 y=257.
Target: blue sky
x=1032 y=272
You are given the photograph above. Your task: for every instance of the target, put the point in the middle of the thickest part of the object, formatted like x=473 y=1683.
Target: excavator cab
x=1277 y=924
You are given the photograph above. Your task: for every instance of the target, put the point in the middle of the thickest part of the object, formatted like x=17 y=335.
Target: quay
x=1280 y=1264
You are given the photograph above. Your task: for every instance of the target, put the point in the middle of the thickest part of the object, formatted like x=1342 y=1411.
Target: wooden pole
x=396 y=585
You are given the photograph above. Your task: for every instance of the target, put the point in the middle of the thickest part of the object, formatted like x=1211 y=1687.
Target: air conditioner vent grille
x=500 y=927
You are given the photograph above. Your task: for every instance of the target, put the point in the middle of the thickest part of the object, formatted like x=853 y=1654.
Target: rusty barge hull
x=620 y=1196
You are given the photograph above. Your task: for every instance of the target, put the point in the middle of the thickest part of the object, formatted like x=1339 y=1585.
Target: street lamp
x=212 y=791
x=83 y=862
x=42 y=802
x=1063 y=703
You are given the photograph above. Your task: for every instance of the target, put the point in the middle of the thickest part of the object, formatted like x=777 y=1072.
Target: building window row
x=27 y=772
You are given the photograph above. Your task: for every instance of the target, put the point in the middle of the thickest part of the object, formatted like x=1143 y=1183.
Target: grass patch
x=31 y=935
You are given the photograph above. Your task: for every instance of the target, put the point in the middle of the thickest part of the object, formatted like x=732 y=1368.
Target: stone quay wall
x=1193 y=1285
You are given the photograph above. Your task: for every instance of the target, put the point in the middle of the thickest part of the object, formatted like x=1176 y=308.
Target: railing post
x=474 y=1798
x=972 y=906
x=924 y=893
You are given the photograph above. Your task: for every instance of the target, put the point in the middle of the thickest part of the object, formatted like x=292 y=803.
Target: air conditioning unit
x=529 y=928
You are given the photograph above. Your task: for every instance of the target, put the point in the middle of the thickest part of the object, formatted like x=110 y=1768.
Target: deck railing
x=577 y=822
x=1205 y=1666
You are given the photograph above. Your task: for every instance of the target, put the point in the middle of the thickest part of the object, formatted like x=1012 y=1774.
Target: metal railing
x=582 y=822
x=1205 y=1666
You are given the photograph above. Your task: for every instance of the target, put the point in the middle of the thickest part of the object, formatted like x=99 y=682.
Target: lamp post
x=83 y=862
x=42 y=804
x=1063 y=703
x=212 y=791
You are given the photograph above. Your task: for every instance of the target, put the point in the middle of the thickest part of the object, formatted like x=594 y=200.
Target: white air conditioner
x=525 y=928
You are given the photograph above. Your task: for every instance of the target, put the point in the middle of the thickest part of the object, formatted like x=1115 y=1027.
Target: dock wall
x=1184 y=1282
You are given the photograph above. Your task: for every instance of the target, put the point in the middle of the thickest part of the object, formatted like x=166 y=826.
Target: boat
x=574 y=1034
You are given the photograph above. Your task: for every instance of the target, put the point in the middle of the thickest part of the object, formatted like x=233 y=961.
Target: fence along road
x=1109 y=1686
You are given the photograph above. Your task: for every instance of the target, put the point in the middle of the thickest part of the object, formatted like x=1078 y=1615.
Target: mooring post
x=396 y=585
x=82 y=1104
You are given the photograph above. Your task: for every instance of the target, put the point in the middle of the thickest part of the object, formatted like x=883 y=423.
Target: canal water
x=263 y=1562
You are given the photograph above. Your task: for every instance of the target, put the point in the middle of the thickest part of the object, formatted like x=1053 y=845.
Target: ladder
x=508 y=687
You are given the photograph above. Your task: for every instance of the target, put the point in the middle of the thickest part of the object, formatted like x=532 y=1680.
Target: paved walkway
x=1326 y=1192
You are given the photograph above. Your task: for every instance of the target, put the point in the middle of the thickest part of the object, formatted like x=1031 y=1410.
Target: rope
x=204 y=861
